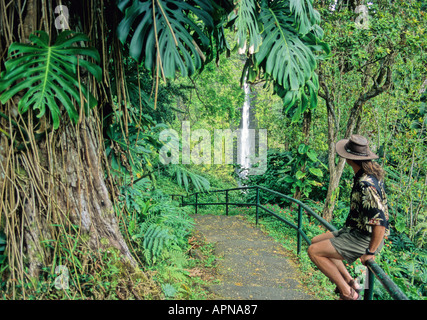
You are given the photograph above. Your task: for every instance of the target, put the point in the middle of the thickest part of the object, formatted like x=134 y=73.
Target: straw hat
x=355 y=148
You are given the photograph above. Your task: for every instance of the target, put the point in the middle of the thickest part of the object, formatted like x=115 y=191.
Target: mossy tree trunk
x=55 y=189
x=68 y=189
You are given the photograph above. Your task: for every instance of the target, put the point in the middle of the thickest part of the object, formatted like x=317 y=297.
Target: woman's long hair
x=372 y=168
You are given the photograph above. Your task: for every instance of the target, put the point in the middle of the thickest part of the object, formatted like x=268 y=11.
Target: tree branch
x=327 y=97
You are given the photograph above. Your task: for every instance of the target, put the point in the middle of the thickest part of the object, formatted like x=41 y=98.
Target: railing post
x=226 y=202
x=257 y=205
x=195 y=205
x=299 y=229
x=369 y=292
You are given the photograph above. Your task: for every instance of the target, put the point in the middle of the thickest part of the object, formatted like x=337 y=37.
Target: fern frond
x=184 y=177
x=155 y=240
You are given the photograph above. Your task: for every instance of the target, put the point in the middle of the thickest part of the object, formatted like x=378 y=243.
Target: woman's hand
x=366 y=257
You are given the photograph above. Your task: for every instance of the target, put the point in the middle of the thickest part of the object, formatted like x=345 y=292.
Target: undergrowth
x=161 y=233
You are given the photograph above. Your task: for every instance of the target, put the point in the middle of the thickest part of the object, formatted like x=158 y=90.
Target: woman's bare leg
x=322 y=253
x=338 y=263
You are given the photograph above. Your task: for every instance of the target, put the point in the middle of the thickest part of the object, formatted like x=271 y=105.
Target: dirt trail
x=252 y=265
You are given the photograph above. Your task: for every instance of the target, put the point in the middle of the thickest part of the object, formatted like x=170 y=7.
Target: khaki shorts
x=351 y=244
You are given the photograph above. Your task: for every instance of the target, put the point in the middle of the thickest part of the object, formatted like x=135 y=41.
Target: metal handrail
x=372 y=267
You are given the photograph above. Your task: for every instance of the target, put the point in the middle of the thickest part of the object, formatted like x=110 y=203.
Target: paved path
x=252 y=265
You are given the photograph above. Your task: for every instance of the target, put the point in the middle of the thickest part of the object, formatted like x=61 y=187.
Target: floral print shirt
x=368 y=204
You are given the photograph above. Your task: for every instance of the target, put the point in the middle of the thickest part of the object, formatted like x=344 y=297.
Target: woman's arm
x=377 y=238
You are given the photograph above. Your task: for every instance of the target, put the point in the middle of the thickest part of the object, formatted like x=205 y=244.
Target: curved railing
x=373 y=268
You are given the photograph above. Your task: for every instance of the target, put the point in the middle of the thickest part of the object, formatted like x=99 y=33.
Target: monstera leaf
x=165 y=33
x=247 y=23
x=289 y=58
x=306 y=17
x=170 y=35
x=286 y=57
x=49 y=75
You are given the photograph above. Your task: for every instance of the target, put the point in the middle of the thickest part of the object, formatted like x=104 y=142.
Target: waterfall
x=244 y=140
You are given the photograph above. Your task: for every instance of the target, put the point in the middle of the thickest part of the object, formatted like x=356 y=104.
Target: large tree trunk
x=54 y=190
x=71 y=170
x=82 y=180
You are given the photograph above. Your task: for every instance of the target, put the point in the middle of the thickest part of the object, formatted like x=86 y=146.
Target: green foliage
x=406 y=169
x=132 y=153
x=132 y=136
x=184 y=177
x=406 y=266
x=290 y=66
x=3 y=255
x=247 y=24
x=289 y=171
x=140 y=105
x=285 y=37
x=155 y=239
x=306 y=17
x=302 y=171
x=173 y=37
x=165 y=227
x=288 y=50
x=49 y=74
x=169 y=290
x=161 y=225
x=159 y=231
x=134 y=196
x=276 y=160
x=215 y=94
x=70 y=276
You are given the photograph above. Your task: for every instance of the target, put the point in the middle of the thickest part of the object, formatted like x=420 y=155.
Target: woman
x=366 y=225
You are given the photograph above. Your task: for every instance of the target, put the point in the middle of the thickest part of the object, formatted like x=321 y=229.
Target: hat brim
x=339 y=148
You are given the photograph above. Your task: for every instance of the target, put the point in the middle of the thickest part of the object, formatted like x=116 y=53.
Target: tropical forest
x=131 y=130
